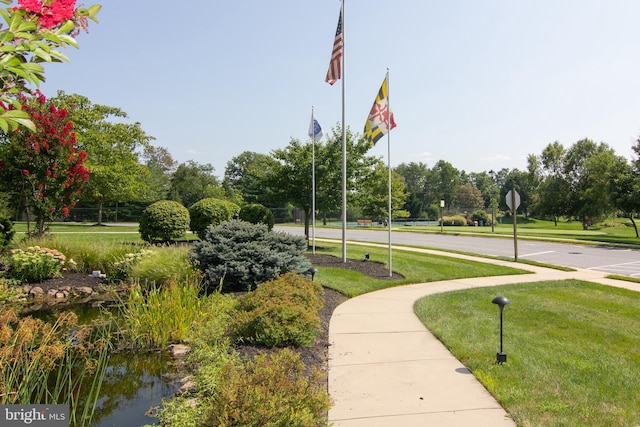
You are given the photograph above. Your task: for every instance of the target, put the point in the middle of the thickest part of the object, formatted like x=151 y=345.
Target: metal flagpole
x=313 y=184
x=389 y=165
x=344 y=143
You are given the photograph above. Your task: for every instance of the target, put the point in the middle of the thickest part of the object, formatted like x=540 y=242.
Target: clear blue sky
x=480 y=84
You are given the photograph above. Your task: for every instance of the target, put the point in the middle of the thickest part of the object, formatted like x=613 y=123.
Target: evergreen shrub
x=240 y=255
x=210 y=211
x=164 y=221
x=280 y=312
x=256 y=213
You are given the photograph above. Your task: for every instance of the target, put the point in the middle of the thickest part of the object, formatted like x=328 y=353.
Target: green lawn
x=414 y=266
x=80 y=232
x=572 y=349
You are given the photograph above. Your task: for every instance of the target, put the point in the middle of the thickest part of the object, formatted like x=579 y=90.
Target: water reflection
x=132 y=385
x=134 y=382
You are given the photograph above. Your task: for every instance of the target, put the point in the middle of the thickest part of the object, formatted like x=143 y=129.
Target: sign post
x=513 y=202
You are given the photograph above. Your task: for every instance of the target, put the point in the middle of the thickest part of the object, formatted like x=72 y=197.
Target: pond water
x=133 y=383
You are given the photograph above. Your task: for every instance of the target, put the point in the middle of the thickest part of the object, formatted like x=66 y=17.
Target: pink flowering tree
x=32 y=34
x=45 y=166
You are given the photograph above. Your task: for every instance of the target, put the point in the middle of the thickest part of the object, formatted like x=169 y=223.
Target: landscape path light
x=501 y=357
x=312 y=271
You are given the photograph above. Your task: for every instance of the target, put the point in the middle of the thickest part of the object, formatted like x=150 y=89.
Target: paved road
x=599 y=258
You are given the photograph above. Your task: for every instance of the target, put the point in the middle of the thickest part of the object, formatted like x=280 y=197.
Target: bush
x=272 y=390
x=6 y=232
x=35 y=263
x=210 y=211
x=164 y=221
x=454 y=220
x=257 y=214
x=481 y=216
x=241 y=255
x=281 y=312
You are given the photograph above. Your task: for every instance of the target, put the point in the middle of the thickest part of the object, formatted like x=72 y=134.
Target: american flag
x=335 y=65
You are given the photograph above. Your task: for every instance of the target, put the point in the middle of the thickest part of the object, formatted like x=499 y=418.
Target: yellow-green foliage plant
x=271 y=390
x=280 y=312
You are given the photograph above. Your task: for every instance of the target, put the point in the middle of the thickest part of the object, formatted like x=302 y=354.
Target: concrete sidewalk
x=386 y=369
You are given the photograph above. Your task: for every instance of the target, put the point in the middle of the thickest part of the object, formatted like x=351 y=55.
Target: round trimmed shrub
x=212 y=212
x=257 y=214
x=164 y=221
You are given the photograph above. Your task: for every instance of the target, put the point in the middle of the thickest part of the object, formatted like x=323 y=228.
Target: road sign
x=509 y=199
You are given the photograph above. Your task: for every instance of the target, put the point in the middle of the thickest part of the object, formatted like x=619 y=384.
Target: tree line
x=585 y=182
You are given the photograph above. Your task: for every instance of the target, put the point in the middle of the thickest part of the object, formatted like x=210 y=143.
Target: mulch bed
x=368 y=267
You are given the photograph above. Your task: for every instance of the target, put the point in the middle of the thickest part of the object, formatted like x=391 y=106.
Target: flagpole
x=389 y=166
x=344 y=144
x=313 y=184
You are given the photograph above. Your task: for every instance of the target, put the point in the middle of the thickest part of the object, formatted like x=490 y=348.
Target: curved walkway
x=386 y=369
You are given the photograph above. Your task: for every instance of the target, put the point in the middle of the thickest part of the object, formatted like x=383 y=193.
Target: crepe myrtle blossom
x=49 y=13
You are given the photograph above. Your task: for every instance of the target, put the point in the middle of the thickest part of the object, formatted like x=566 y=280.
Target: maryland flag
x=380 y=120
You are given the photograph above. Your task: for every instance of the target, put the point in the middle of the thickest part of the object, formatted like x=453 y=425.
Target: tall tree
x=291 y=178
x=587 y=168
x=468 y=197
x=552 y=198
x=553 y=192
x=113 y=148
x=415 y=178
x=483 y=182
x=624 y=190
x=192 y=182
x=161 y=166
x=445 y=180
x=246 y=173
x=526 y=187
x=373 y=198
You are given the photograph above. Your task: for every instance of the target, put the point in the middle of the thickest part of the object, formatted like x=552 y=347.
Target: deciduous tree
x=47 y=165
x=113 y=149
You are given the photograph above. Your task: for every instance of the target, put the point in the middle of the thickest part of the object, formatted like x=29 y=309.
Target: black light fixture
x=366 y=257
x=312 y=271
x=501 y=301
